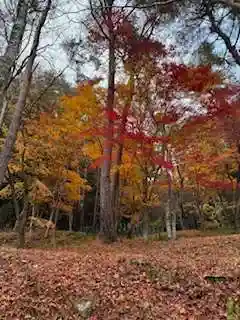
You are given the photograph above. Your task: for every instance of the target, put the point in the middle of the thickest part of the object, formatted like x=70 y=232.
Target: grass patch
x=193 y=233
x=216 y=279
x=233 y=309
x=37 y=240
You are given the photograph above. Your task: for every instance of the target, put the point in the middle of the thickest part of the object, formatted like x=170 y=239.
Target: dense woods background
x=147 y=138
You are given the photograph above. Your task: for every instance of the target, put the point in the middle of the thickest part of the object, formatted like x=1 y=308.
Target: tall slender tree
x=10 y=56
x=7 y=149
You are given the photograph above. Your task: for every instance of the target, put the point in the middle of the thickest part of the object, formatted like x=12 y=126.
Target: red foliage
x=216 y=185
x=193 y=78
x=98 y=162
x=113 y=115
x=167 y=119
x=162 y=163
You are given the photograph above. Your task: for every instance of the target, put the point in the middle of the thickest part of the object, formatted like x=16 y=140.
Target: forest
x=120 y=159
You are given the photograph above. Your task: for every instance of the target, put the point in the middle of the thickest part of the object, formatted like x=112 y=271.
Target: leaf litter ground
x=186 y=279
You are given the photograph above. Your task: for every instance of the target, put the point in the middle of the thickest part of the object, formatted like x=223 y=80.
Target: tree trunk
x=6 y=152
x=3 y=109
x=56 y=216
x=168 y=219
x=81 y=217
x=50 y=220
x=96 y=200
x=181 y=208
x=200 y=214
x=14 y=199
x=22 y=225
x=107 y=223
x=236 y=208
x=54 y=237
x=174 y=220
x=116 y=176
x=81 y=205
x=70 y=222
x=145 y=209
x=170 y=213
x=180 y=198
x=31 y=222
x=181 y=213
x=23 y=216
x=145 y=223
x=8 y=60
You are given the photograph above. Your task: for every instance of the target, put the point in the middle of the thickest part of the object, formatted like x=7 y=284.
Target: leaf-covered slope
x=128 y=280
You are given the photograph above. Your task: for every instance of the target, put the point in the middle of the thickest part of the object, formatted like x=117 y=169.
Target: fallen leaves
x=127 y=280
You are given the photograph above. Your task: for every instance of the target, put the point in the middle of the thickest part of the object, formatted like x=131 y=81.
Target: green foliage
x=233 y=309
x=216 y=279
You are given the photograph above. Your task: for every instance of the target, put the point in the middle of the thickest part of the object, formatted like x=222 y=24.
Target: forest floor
x=191 y=278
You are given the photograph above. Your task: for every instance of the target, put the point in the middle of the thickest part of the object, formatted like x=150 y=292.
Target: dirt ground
x=193 y=278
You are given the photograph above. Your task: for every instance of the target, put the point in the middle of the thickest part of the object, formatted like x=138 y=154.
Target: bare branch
x=235 y=4
x=96 y=20
x=216 y=28
x=39 y=97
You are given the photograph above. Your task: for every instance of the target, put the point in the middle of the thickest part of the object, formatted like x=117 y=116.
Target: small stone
x=146 y=305
x=84 y=307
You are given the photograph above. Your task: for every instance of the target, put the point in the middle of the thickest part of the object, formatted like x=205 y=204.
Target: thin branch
x=216 y=28
x=237 y=38
x=235 y=4
x=146 y=6
x=97 y=21
x=30 y=107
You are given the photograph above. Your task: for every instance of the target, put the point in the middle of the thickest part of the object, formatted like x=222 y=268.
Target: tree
x=10 y=56
x=24 y=90
x=218 y=15
x=43 y=154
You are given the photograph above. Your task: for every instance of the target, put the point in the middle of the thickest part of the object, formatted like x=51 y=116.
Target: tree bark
x=96 y=200
x=236 y=207
x=200 y=213
x=168 y=219
x=81 y=202
x=54 y=233
x=22 y=225
x=116 y=176
x=6 y=152
x=14 y=199
x=8 y=60
x=31 y=223
x=146 y=211
x=145 y=223
x=3 y=109
x=107 y=223
x=180 y=198
x=70 y=221
x=56 y=216
x=174 y=220
x=49 y=222
x=23 y=216
x=170 y=211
